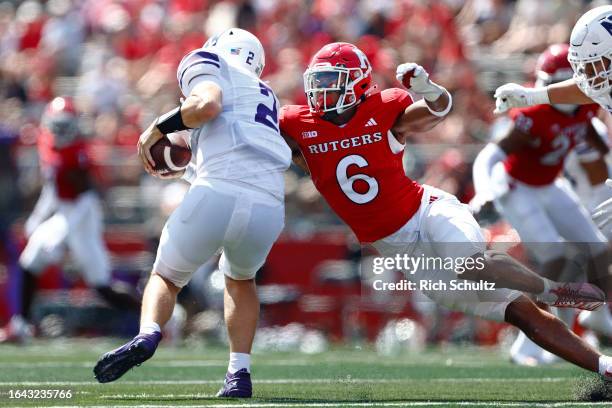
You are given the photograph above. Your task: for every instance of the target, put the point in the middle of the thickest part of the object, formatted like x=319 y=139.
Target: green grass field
x=455 y=377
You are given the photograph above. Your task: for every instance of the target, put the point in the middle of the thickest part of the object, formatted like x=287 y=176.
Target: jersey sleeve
x=287 y=121
x=523 y=120
x=199 y=65
x=396 y=100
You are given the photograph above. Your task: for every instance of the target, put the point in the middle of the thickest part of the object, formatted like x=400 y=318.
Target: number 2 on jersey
x=347 y=183
x=265 y=115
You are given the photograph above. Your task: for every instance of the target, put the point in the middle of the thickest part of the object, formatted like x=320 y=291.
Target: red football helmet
x=61 y=119
x=553 y=65
x=338 y=69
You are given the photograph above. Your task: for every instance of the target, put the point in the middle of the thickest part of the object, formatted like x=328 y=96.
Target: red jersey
x=553 y=135
x=67 y=166
x=358 y=167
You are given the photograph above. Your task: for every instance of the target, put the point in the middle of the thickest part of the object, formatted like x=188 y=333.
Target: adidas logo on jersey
x=309 y=134
x=371 y=122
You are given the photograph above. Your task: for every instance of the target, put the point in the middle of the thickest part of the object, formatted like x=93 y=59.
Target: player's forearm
x=567 y=92
x=483 y=168
x=203 y=105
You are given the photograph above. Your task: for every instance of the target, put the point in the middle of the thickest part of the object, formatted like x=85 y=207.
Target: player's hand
x=414 y=77
x=147 y=139
x=602 y=215
x=480 y=203
x=516 y=96
x=169 y=175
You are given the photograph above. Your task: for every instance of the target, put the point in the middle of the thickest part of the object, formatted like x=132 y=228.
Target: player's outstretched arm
x=425 y=114
x=510 y=96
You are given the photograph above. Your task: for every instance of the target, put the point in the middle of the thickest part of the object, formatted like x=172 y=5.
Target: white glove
x=516 y=96
x=477 y=203
x=414 y=77
x=602 y=215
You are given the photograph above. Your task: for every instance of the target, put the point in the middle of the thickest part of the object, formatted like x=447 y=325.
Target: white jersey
x=243 y=144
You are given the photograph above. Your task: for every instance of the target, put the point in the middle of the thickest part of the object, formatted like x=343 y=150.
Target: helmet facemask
x=593 y=75
x=322 y=82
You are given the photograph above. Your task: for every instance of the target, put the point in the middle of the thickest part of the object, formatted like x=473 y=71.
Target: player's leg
x=45 y=247
x=254 y=228
x=86 y=245
x=564 y=206
x=501 y=304
x=576 y=226
x=193 y=233
x=448 y=221
x=524 y=209
x=551 y=334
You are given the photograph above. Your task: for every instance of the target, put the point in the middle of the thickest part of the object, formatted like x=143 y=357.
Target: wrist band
x=446 y=110
x=539 y=96
x=171 y=121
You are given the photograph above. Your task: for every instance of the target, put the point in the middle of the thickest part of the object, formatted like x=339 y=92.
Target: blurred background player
x=350 y=138
x=67 y=216
x=235 y=203
x=520 y=173
x=590 y=55
x=587 y=168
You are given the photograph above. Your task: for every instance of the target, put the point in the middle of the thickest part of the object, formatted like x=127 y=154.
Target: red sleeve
x=288 y=121
x=396 y=100
x=524 y=120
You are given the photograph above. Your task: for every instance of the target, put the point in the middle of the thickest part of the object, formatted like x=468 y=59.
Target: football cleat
x=117 y=362
x=237 y=385
x=583 y=296
x=17 y=331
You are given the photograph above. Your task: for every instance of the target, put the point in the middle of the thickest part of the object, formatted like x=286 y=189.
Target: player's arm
x=486 y=188
x=423 y=115
x=198 y=77
x=296 y=153
x=595 y=140
x=204 y=103
x=510 y=96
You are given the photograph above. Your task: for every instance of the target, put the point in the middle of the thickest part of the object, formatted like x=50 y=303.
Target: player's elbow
x=207 y=110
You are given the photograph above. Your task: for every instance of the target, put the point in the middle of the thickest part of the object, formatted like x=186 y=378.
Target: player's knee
x=177 y=279
x=527 y=316
x=236 y=272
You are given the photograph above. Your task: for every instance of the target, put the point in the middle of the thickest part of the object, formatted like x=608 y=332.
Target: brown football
x=169 y=156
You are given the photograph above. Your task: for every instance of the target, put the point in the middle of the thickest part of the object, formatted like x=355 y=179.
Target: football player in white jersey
x=235 y=202
x=591 y=59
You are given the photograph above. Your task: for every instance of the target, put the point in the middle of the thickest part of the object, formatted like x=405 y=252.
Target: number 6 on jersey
x=346 y=183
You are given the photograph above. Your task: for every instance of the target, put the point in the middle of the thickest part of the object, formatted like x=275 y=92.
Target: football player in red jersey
x=520 y=173
x=350 y=139
x=591 y=58
x=68 y=215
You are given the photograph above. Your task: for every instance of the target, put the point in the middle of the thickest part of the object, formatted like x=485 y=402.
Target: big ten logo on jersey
x=345 y=143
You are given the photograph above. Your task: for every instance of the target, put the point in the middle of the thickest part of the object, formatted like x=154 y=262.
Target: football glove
x=414 y=77
x=516 y=96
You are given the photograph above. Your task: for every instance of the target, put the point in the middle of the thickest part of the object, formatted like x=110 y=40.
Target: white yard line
x=362 y=404
x=348 y=380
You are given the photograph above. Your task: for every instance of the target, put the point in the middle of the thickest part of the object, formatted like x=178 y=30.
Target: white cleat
x=18 y=331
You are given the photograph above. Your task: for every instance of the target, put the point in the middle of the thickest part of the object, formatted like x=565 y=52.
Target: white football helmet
x=590 y=52
x=239 y=48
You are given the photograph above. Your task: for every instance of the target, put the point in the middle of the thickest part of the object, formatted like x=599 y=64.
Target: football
x=169 y=155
